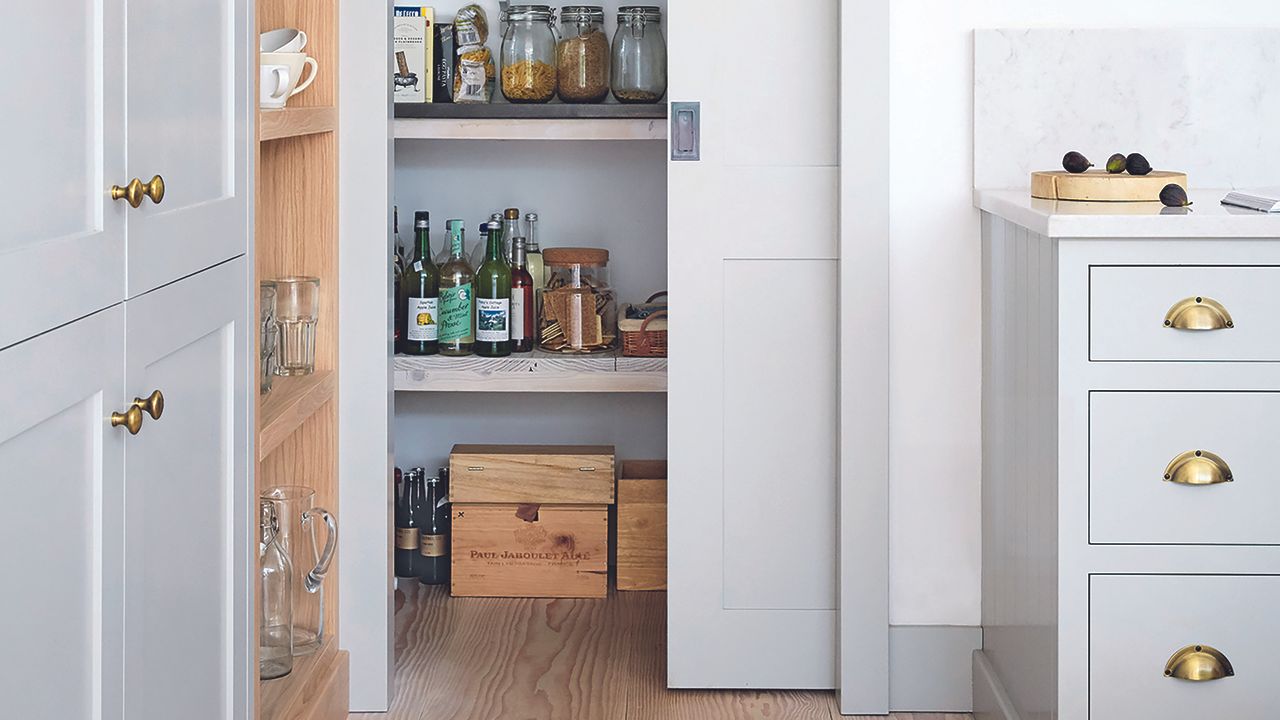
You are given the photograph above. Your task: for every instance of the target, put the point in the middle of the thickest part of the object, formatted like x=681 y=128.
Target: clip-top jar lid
x=562 y=256
x=582 y=13
x=648 y=13
x=528 y=12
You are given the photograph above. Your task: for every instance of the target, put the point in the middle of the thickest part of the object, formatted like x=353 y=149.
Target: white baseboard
x=929 y=667
x=990 y=701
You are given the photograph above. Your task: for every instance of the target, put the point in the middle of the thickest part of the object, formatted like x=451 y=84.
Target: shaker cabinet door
x=61 y=506
x=62 y=246
x=187 y=565
x=187 y=123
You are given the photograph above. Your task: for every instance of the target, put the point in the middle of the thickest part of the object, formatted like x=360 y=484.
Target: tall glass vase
x=298 y=514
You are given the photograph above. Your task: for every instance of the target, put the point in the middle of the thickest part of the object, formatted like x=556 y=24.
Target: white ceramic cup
x=282 y=40
x=294 y=63
x=273 y=85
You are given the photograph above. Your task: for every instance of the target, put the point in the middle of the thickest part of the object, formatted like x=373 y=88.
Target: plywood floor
x=527 y=659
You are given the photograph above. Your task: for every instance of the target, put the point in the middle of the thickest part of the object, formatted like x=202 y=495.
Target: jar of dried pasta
x=579 y=308
x=529 y=54
x=582 y=58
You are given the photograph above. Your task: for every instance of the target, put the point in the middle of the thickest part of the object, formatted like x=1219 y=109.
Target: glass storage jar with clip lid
x=639 y=55
x=529 y=54
x=579 y=311
x=582 y=57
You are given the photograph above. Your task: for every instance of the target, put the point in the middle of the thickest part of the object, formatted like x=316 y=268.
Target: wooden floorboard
x=541 y=659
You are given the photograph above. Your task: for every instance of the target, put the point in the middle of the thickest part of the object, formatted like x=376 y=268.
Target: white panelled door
x=187 y=560
x=186 y=105
x=752 y=398
x=62 y=245
x=61 y=521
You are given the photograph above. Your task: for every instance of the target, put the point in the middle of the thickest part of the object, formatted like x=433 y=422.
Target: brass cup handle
x=131 y=419
x=1198 y=663
x=1198 y=313
x=136 y=190
x=1198 y=467
x=153 y=404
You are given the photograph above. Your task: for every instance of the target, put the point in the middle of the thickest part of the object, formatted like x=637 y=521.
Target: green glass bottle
x=457 y=297
x=420 y=293
x=493 y=299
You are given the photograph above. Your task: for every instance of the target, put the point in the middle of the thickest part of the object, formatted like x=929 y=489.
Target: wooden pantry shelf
x=290 y=403
x=316 y=688
x=533 y=372
x=551 y=121
x=296 y=121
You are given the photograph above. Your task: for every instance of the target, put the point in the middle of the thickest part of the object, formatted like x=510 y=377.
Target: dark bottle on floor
x=433 y=536
x=408 y=520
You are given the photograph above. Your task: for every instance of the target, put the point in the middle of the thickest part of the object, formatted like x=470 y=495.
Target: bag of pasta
x=475 y=77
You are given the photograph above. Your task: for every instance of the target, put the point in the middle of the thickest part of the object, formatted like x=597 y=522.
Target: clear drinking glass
x=295 y=507
x=297 y=309
x=275 y=634
x=268 y=335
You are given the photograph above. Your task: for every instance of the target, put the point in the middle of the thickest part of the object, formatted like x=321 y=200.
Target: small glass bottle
x=522 y=302
x=529 y=54
x=457 y=297
x=420 y=293
x=533 y=255
x=275 y=633
x=433 y=536
x=639 y=65
x=493 y=299
x=510 y=230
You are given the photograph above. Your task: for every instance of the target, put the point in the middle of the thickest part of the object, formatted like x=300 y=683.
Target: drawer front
x=532 y=474
x=1138 y=622
x=1135 y=438
x=1129 y=306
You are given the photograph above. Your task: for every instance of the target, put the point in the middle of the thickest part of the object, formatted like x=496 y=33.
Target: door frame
x=862 y=615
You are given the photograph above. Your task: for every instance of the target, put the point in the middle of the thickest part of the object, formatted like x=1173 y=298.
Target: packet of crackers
x=475 y=76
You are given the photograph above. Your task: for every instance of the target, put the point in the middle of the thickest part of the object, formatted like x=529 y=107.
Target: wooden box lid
x=563 y=474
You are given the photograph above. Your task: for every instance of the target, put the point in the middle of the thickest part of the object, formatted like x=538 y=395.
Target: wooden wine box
x=642 y=525
x=530 y=521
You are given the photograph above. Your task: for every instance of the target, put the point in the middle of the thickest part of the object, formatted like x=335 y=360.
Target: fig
x=1174 y=195
x=1074 y=162
x=1137 y=165
x=1117 y=164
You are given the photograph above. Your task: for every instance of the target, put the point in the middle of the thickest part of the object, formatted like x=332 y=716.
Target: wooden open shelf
x=316 y=688
x=291 y=402
x=532 y=372
x=296 y=121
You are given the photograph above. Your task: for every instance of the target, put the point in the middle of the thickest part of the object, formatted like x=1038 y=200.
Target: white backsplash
x=1205 y=102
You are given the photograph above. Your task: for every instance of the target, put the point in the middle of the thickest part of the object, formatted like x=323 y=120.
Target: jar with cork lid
x=579 y=311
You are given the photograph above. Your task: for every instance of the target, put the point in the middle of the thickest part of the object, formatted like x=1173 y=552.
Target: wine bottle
x=493 y=299
x=522 y=323
x=420 y=293
x=457 y=295
x=397 y=273
x=408 y=517
x=433 y=536
x=533 y=258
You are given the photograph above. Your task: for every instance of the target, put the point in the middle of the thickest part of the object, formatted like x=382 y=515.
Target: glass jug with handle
x=295 y=507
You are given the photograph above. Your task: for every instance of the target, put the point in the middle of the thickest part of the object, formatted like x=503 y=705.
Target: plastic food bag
x=475 y=76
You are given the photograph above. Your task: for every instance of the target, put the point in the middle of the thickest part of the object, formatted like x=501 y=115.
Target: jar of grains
x=582 y=58
x=579 y=309
x=529 y=54
x=639 y=55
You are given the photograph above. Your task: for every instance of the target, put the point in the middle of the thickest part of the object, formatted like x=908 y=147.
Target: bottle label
x=423 y=314
x=432 y=546
x=455 y=313
x=406 y=538
x=518 y=330
x=492 y=316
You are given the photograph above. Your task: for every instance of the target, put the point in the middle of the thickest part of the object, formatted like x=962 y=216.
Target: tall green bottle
x=420 y=293
x=457 y=297
x=493 y=299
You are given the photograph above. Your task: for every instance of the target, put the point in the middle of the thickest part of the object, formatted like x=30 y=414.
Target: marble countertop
x=1206 y=218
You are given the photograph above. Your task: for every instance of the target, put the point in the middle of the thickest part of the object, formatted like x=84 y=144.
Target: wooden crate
x=510 y=550
x=550 y=474
x=642 y=525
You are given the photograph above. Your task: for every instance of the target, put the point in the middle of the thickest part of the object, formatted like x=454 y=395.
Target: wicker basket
x=648 y=337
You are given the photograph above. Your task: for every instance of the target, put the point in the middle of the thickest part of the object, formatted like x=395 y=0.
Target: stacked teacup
x=282 y=65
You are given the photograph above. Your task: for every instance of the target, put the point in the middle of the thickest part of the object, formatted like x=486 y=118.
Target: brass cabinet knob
x=136 y=190
x=131 y=419
x=1198 y=663
x=1198 y=313
x=153 y=404
x=1198 y=467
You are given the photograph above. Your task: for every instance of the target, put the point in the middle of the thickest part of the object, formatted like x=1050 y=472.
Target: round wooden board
x=1100 y=185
